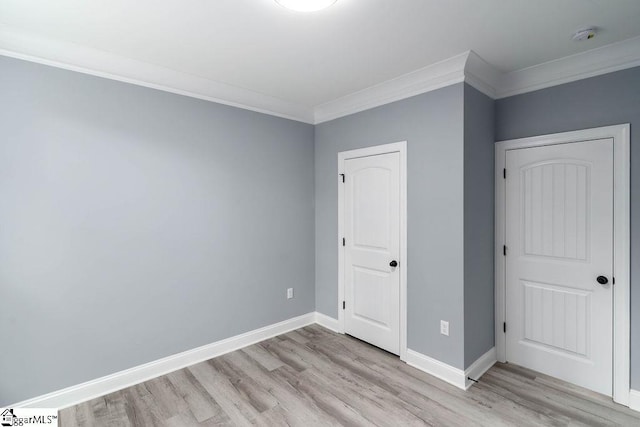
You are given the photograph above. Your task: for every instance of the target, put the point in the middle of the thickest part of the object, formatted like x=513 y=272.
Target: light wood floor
x=315 y=377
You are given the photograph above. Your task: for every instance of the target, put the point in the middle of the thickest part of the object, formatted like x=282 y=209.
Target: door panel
x=555 y=210
x=372 y=233
x=370 y=296
x=556 y=318
x=560 y=239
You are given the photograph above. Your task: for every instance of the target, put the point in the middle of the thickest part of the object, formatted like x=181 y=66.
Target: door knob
x=602 y=280
x=393 y=263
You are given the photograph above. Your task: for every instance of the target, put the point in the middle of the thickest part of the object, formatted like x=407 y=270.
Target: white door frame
x=621 y=241
x=396 y=147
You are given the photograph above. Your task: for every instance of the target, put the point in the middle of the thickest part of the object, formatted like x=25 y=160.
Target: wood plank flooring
x=314 y=377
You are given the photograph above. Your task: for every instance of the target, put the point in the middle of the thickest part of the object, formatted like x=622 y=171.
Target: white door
x=559 y=246
x=372 y=246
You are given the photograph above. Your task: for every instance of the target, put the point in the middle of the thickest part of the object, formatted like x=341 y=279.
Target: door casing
x=396 y=147
x=621 y=241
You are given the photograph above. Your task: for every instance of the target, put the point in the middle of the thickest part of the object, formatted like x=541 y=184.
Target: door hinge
x=344 y=305
x=504 y=250
x=504 y=173
x=342 y=175
x=344 y=242
x=504 y=327
x=613 y=280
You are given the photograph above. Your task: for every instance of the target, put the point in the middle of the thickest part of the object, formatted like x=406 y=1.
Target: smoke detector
x=584 y=34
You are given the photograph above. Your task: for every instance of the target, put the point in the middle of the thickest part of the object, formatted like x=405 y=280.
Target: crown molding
x=482 y=75
x=432 y=77
x=594 y=62
x=472 y=69
x=99 y=63
x=467 y=67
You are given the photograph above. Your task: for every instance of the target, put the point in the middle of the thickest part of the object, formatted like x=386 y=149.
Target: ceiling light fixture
x=306 y=5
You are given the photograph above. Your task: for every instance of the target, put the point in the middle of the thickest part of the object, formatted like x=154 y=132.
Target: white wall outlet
x=444 y=328
x=289 y=293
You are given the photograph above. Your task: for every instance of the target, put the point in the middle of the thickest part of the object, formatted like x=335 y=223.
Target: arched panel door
x=372 y=234
x=559 y=301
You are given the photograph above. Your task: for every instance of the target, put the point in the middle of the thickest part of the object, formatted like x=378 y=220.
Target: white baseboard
x=480 y=366
x=437 y=368
x=328 y=322
x=634 y=400
x=74 y=395
x=448 y=373
x=99 y=387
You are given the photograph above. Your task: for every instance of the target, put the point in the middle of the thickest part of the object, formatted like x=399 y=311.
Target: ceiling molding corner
x=99 y=63
x=432 y=77
x=606 y=59
x=482 y=75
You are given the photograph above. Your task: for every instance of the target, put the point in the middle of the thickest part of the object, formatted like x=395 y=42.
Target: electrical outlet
x=444 y=328
x=289 y=293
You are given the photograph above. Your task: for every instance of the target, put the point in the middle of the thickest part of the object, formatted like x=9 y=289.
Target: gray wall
x=479 y=120
x=129 y=217
x=599 y=101
x=432 y=125
x=135 y=224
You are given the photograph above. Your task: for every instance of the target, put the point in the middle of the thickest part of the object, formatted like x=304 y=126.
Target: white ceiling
x=310 y=59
